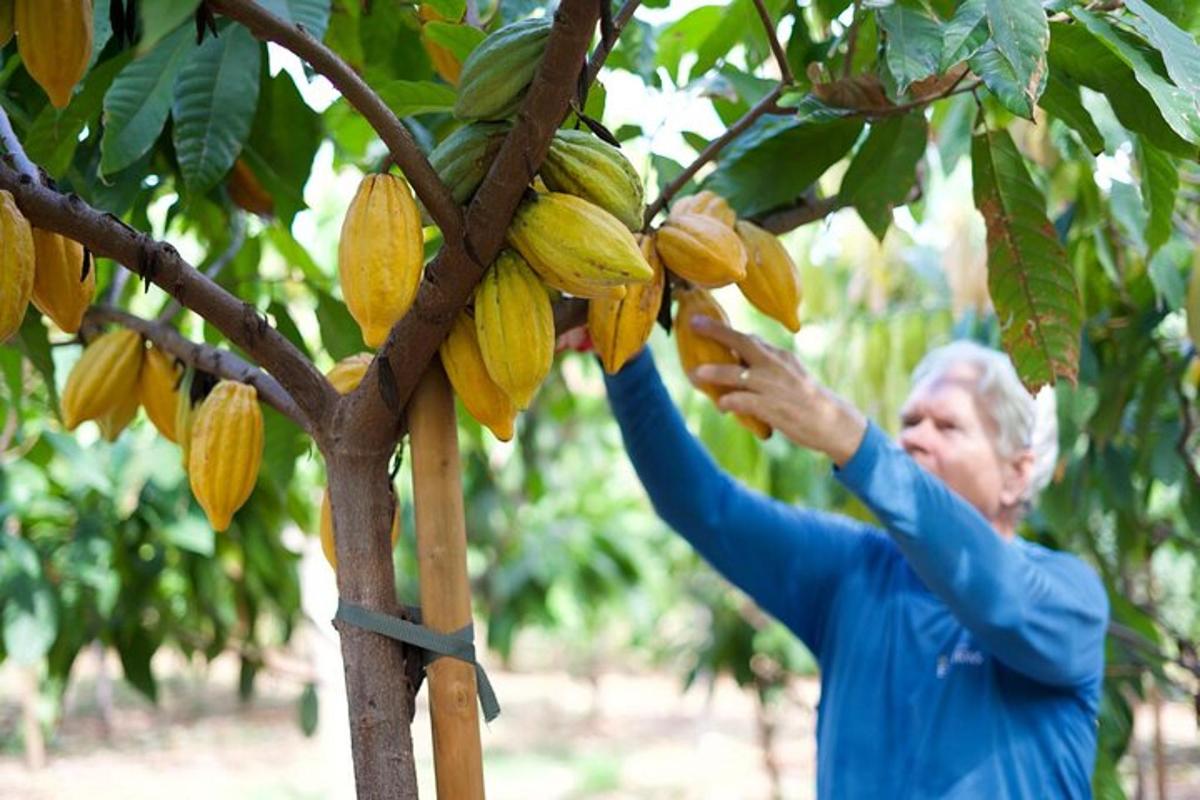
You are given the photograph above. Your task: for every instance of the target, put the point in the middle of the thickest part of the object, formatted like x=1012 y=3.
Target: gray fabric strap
x=434 y=645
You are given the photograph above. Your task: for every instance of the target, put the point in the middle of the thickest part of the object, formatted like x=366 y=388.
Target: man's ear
x=1018 y=473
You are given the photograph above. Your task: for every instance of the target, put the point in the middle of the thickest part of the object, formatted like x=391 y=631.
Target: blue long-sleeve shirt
x=954 y=663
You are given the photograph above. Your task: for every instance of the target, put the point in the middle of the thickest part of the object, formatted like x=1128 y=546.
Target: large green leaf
x=1061 y=99
x=313 y=15
x=884 y=169
x=160 y=17
x=137 y=104
x=914 y=42
x=283 y=163
x=339 y=332
x=1029 y=278
x=215 y=99
x=777 y=159
x=54 y=137
x=1082 y=57
x=1021 y=34
x=1178 y=109
x=685 y=36
x=964 y=34
x=1160 y=184
x=407 y=98
x=1180 y=53
x=458 y=39
x=34 y=342
x=28 y=609
x=1002 y=79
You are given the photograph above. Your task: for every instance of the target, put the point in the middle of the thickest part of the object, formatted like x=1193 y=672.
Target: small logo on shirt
x=960 y=655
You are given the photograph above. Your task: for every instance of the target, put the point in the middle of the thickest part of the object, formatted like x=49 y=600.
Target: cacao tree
x=162 y=140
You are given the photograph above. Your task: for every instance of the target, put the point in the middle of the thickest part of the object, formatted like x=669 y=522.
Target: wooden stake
x=445 y=593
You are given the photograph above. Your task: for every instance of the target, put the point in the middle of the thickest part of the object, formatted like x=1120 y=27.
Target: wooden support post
x=445 y=593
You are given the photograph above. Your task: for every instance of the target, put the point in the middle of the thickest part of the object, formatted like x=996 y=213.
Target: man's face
x=942 y=429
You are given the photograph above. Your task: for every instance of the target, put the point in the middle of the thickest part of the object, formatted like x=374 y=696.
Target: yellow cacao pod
x=327 y=533
x=6 y=21
x=380 y=255
x=158 y=390
x=483 y=399
x=226 y=451
x=246 y=192
x=119 y=417
x=184 y=414
x=55 y=41
x=620 y=328
x=772 y=282
x=702 y=250
x=61 y=291
x=16 y=266
x=104 y=375
x=696 y=349
x=576 y=246
x=514 y=325
x=705 y=203
x=348 y=373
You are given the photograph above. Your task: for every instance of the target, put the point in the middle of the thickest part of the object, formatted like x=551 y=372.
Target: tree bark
x=378 y=693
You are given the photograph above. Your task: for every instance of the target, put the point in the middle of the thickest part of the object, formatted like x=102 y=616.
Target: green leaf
x=160 y=17
x=190 y=532
x=34 y=342
x=284 y=323
x=339 y=332
x=215 y=99
x=1061 y=99
x=407 y=98
x=30 y=613
x=965 y=33
x=1001 y=79
x=1080 y=55
x=283 y=163
x=1160 y=185
x=1180 y=53
x=884 y=169
x=52 y=140
x=1029 y=278
x=1021 y=34
x=777 y=159
x=308 y=709
x=312 y=15
x=137 y=105
x=448 y=9
x=685 y=36
x=1178 y=109
x=914 y=43
x=459 y=39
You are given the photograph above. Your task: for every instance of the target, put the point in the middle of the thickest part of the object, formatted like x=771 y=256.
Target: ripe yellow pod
x=105 y=374
x=348 y=373
x=16 y=265
x=380 y=255
x=514 y=324
x=55 y=41
x=483 y=399
x=705 y=203
x=702 y=250
x=696 y=349
x=226 y=451
x=576 y=246
x=158 y=390
x=620 y=328
x=118 y=418
x=772 y=282
x=184 y=414
x=60 y=289
x=327 y=532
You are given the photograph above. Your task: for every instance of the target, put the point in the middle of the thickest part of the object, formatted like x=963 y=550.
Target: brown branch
x=788 y=219
x=604 y=49
x=237 y=239
x=8 y=137
x=222 y=363
x=763 y=106
x=785 y=69
x=405 y=152
x=365 y=415
x=159 y=263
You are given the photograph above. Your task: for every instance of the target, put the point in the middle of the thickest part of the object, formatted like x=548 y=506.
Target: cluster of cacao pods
x=54 y=38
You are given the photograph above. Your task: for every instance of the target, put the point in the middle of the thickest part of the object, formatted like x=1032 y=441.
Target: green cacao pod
x=55 y=40
x=16 y=266
x=104 y=375
x=581 y=164
x=576 y=246
x=464 y=157
x=514 y=324
x=496 y=75
x=61 y=290
x=226 y=451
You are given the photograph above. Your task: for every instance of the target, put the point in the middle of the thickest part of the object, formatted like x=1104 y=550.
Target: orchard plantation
x=373 y=352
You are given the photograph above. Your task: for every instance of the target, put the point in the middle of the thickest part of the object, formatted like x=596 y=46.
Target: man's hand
x=577 y=339
x=776 y=388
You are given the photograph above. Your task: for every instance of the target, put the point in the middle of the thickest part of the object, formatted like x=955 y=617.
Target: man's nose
x=915 y=438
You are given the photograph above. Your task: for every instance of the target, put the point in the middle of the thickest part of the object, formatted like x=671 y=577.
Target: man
x=957 y=659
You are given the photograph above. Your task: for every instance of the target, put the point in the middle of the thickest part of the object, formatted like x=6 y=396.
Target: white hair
x=1019 y=421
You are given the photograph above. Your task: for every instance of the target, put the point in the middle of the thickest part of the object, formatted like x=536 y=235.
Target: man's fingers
x=742 y=403
x=735 y=376
x=750 y=348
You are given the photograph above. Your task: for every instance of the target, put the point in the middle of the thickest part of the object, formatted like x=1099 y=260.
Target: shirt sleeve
x=787 y=559
x=1042 y=614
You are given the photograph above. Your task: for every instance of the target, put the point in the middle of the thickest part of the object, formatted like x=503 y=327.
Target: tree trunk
x=378 y=693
